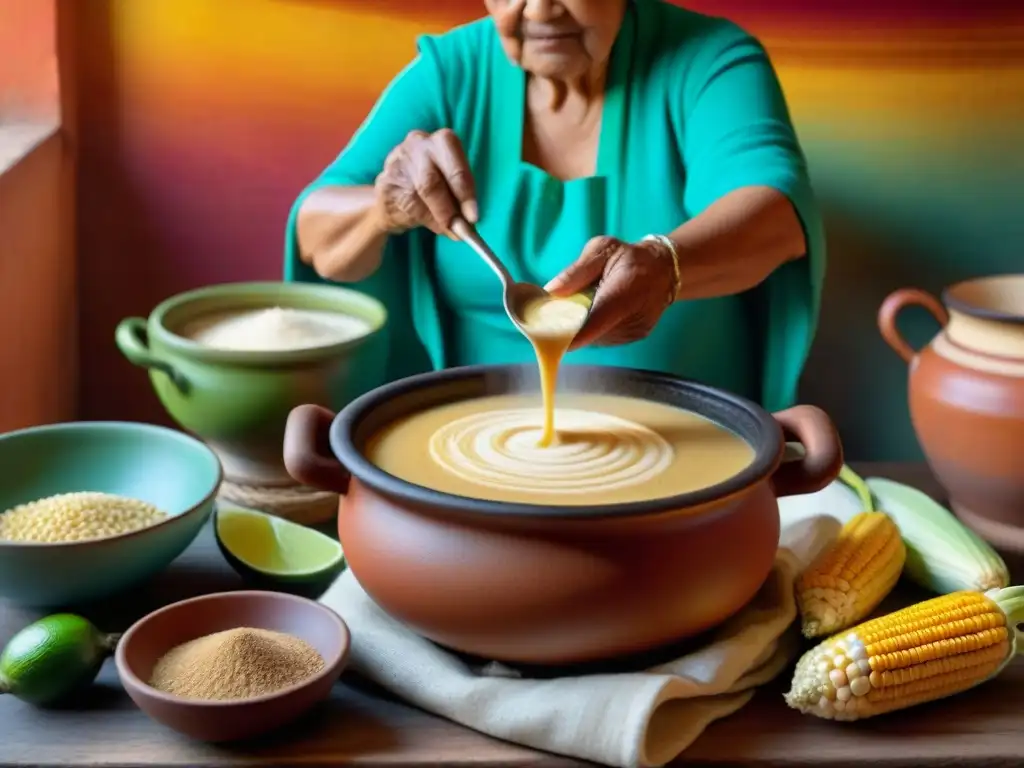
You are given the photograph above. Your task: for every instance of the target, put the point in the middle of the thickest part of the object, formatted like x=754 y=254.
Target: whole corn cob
x=922 y=653
x=943 y=555
x=852 y=576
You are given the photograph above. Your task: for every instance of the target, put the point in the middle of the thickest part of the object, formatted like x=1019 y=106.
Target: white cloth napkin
x=630 y=719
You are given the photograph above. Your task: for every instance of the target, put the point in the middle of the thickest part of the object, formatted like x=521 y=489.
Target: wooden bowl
x=156 y=634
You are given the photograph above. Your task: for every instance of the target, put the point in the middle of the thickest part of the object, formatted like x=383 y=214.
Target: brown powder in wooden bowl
x=236 y=664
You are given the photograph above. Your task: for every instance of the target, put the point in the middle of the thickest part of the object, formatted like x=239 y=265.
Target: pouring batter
x=551 y=325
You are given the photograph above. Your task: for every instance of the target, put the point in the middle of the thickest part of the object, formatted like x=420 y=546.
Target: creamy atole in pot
x=610 y=449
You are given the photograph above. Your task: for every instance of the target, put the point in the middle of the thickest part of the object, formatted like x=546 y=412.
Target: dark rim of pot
x=369 y=413
x=952 y=300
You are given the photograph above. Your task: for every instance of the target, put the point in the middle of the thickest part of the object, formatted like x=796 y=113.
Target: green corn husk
x=943 y=555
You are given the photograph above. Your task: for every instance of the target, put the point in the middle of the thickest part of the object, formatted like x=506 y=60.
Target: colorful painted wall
x=199 y=120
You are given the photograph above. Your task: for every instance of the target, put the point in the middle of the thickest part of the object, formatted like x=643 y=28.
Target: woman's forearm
x=737 y=242
x=341 y=232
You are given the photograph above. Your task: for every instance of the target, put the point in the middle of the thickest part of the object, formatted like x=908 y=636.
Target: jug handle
x=895 y=303
x=307 y=450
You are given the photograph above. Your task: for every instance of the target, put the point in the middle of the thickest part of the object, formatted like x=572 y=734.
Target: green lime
x=53 y=658
x=273 y=551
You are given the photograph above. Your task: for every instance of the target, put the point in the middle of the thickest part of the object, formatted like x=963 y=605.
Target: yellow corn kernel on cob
x=852 y=576
x=922 y=653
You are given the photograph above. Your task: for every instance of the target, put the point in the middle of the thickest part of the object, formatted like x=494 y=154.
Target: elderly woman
x=630 y=144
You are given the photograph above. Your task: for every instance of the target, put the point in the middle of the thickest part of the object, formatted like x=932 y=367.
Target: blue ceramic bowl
x=169 y=469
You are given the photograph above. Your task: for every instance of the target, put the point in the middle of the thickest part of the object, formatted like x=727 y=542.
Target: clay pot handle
x=307 y=450
x=823 y=452
x=895 y=303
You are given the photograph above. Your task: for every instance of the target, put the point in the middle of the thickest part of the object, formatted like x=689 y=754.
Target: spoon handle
x=467 y=233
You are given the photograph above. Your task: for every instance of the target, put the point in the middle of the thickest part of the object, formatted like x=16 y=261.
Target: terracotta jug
x=966 y=391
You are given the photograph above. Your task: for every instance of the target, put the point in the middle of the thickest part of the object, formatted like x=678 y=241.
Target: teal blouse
x=693 y=110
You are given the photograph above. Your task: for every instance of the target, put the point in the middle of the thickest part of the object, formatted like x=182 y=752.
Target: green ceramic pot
x=238 y=401
x=165 y=467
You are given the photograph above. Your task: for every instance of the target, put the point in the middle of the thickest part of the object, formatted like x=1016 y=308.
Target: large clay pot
x=238 y=401
x=556 y=585
x=966 y=392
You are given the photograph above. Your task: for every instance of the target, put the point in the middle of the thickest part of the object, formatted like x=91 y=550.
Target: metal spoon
x=515 y=295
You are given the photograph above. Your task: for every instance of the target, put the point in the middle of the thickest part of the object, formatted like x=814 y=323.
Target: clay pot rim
x=247 y=295
x=768 y=444
x=955 y=302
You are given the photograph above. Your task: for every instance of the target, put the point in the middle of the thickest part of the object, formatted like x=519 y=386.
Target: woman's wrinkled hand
x=636 y=283
x=426 y=182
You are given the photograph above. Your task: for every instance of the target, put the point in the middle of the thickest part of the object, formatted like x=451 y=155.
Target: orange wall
x=38 y=324
x=38 y=294
x=28 y=64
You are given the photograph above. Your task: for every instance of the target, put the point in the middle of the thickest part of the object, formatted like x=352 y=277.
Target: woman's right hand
x=426 y=182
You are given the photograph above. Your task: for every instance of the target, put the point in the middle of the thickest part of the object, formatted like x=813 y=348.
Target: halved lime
x=273 y=551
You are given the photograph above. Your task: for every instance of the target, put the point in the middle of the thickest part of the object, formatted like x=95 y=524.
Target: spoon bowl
x=516 y=295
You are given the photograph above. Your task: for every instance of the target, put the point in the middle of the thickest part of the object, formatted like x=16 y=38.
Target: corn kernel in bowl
x=81 y=516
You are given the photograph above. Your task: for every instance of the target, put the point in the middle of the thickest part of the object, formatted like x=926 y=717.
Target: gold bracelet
x=668 y=244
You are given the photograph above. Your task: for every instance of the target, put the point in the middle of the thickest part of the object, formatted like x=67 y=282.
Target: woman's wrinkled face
x=557 y=38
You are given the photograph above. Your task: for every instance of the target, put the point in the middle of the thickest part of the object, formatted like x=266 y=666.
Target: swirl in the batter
x=594 y=452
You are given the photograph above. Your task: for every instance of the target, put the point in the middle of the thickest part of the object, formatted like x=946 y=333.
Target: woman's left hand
x=636 y=283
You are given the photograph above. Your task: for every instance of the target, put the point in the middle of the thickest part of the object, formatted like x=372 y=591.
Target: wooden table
x=362 y=727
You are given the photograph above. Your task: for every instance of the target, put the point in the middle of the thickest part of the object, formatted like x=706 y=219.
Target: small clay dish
x=151 y=637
